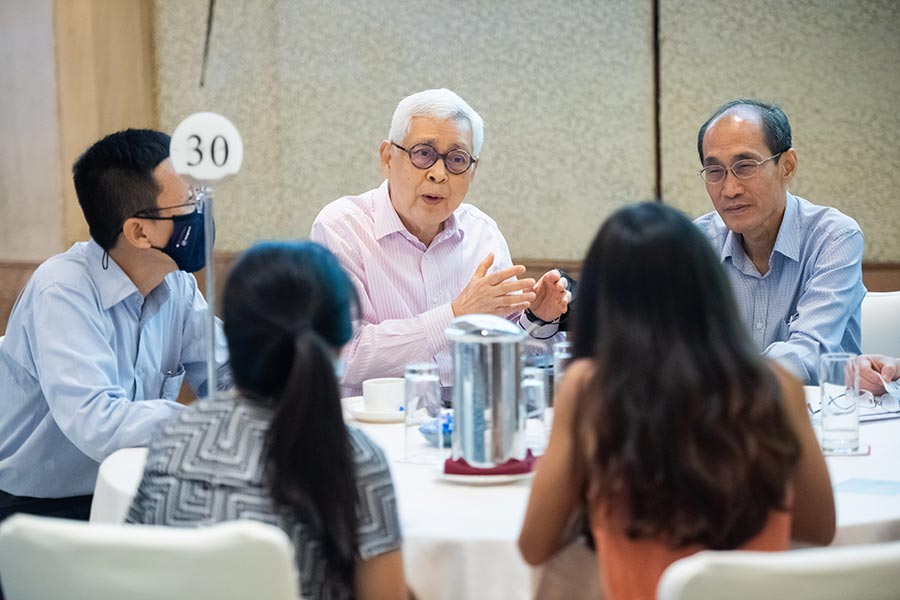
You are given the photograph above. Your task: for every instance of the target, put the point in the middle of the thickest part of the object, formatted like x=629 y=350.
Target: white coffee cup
x=384 y=394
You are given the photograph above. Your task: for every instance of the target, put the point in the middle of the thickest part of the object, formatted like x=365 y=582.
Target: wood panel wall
x=106 y=77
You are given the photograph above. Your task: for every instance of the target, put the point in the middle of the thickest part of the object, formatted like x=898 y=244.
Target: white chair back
x=859 y=572
x=881 y=323
x=42 y=557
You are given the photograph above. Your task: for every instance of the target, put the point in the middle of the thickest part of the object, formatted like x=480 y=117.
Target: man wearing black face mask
x=103 y=335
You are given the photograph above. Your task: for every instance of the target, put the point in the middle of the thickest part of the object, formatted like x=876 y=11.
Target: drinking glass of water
x=422 y=391
x=839 y=385
x=562 y=356
x=534 y=401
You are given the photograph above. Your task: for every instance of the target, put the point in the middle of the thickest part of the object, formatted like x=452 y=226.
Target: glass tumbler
x=839 y=388
x=562 y=356
x=534 y=402
x=422 y=404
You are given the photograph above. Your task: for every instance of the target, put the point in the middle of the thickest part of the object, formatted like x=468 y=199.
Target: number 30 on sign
x=207 y=148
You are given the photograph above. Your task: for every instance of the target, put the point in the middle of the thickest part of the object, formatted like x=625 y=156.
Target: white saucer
x=484 y=479
x=354 y=405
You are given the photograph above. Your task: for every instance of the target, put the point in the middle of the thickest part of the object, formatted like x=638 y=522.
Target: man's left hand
x=551 y=296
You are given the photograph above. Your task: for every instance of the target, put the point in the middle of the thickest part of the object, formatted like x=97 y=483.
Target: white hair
x=441 y=104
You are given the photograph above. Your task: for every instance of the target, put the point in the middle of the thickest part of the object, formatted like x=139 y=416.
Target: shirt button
x=759 y=325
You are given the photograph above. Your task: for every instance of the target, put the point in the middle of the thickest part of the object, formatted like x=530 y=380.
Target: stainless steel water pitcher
x=488 y=418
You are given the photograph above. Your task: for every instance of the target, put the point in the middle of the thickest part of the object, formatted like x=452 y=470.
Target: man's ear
x=134 y=233
x=384 y=155
x=788 y=165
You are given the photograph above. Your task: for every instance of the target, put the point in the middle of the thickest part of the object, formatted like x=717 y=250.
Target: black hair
x=682 y=420
x=287 y=312
x=114 y=180
x=776 y=127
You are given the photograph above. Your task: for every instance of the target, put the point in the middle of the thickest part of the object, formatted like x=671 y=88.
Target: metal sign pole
x=211 y=300
x=207 y=149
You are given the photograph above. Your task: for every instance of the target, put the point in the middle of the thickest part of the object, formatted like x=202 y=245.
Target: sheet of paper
x=892 y=388
x=869 y=487
x=886 y=406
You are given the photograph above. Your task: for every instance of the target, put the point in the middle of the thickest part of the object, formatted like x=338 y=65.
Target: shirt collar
x=387 y=221
x=452 y=227
x=787 y=242
x=113 y=284
x=728 y=248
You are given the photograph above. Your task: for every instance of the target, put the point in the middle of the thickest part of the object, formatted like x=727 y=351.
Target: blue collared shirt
x=90 y=366
x=808 y=302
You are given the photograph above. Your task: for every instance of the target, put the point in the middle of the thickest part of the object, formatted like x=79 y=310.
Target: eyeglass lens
x=742 y=169
x=423 y=156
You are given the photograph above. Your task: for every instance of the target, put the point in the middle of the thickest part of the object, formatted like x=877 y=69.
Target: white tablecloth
x=460 y=541
x=117 y=482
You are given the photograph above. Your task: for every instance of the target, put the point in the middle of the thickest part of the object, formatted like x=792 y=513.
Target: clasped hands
x=502 y=293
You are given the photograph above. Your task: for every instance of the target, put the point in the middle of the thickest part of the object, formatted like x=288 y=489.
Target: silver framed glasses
x=196 y=199
x=742 y=169
x=866 y=400
x=423 y=156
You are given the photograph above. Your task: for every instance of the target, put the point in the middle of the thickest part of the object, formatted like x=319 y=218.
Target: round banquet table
x=460 y=541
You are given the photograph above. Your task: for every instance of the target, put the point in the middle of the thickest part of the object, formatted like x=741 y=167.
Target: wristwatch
x=536 y=319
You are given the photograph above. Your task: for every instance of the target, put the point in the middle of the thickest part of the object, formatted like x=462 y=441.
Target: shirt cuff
x=435 y=321
x=538 y=331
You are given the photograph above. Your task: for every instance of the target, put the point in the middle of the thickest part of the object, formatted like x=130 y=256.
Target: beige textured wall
x=30 y=193
x=565 y=90
x=833 y=65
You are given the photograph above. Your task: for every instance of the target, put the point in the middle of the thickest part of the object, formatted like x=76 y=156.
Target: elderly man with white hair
x=420 y=257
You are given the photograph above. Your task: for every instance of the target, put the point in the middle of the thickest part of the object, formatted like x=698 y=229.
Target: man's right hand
x=493 y=294
x=872 y=367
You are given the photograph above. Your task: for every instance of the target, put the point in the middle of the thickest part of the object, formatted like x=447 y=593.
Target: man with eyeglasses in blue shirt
x=795 y=267
x=103 y=335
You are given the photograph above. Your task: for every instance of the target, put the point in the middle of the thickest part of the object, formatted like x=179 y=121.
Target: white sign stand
x=207 y=149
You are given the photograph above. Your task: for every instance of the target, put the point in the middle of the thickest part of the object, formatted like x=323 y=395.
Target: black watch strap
x=535 y=319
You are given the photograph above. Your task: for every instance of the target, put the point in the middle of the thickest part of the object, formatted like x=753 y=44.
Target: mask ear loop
x=104 y=262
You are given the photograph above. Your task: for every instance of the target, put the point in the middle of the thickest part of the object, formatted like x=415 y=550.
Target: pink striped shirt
x=405 y=288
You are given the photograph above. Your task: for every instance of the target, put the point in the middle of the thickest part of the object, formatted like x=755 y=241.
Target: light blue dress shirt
x=90 y=366
x=809 y=301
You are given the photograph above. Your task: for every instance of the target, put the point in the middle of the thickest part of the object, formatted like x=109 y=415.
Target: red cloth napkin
x=513 y=466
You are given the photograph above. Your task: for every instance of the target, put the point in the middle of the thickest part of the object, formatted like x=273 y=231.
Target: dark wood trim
x=881 y=277
x=878 y=277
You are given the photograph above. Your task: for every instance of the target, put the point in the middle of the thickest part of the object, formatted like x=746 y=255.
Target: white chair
x=859 y=572
x=42 y=557
x=881 y=323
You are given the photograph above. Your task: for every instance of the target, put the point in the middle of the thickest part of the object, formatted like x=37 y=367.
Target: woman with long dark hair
x=670 y=430
x=276 y=449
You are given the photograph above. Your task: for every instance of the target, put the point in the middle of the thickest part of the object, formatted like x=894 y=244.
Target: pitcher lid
x=484 y=329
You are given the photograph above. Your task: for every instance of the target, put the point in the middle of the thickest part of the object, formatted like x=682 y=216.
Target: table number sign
x=206 y=148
